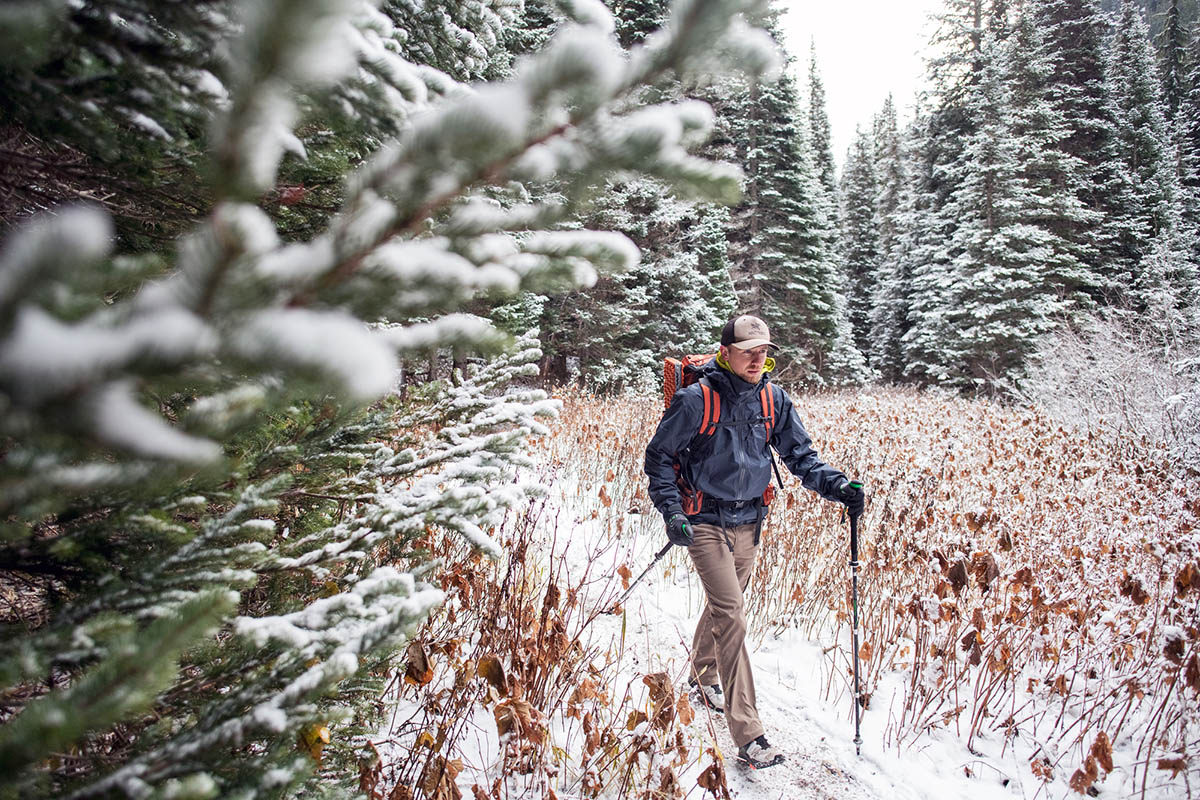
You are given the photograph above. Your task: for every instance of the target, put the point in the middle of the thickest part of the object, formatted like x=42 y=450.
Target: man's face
x=746 y=364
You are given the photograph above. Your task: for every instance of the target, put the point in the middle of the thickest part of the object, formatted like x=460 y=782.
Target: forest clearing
x=1029 y=618
x=288 y=509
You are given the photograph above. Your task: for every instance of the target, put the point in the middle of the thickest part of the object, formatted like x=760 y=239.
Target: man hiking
x=709 y=465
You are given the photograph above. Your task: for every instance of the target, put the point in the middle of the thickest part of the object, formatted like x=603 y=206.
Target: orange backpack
x=680 y=372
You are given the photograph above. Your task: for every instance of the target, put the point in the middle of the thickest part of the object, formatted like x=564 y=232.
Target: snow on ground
x=814 y=732
x=586 y=540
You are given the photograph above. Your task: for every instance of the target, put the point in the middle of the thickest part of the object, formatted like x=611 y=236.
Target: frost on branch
x=210 y=427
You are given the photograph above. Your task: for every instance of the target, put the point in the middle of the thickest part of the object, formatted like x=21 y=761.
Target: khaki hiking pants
x=719 y=647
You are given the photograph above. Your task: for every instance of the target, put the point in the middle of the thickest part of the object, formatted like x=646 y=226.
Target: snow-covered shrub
x=1127 y=377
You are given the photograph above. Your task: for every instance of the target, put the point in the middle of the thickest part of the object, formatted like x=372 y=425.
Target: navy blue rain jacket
x=733 y=463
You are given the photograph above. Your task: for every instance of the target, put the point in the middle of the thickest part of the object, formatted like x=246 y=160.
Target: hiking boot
x=759 y=754
x=709 y=696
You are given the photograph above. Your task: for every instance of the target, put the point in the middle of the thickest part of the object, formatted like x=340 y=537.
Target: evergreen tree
x=888 y=298
x=819 y=131
x=637 y=19
x=1174 y=60
x=1187 y=133
x=1075 y=32
x=819 y=145
x=144 y=80
x=923 y=260
x=1004 y=301
x=939 y=152
x=192 y=455
x=1054 y=179
x=783 y=266
x=860 y=246
x=673 y=301
x=1147 y=173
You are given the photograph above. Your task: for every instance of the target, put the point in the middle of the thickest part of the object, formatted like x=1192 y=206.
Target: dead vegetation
x=1021 y=587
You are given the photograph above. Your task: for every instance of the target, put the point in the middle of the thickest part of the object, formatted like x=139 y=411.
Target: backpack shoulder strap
x=712 y=408
x=767 y=396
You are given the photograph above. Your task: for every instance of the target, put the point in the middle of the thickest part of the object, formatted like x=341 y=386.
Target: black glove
x=679 y=530
x=853 y=497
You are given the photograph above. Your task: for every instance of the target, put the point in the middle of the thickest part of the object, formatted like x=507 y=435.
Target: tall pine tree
x=783 y=265
x=860 y=247
x=1147 y=174
x=889 y=298
x=223 y=539
x=1004 y=301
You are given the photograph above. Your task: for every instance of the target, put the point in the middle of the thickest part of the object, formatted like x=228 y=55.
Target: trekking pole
x=617 y=605
x=854 y=622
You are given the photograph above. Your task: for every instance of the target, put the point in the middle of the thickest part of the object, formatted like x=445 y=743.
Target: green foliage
x=202 y=437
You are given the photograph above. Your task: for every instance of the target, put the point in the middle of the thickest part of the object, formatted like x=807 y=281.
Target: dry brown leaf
x=712 y=779
x=584 y=690
x=683 y=708
x=1102 y=751
x=958 y=575
x=519 y=717
x=662 y=699
x=1132 y=588
x=1192 y=673
x=418 y=670
x=491 y=670
x=1176 y=765
x=625 y=574
x=438 y=779
x=552 y=597
x=985 y=569
x=1187 y=580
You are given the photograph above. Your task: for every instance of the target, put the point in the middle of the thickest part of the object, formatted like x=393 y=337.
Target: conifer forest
x=332 y=332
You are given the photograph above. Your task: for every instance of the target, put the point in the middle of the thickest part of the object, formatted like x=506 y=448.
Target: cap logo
x=752 y=328
x=745 y=332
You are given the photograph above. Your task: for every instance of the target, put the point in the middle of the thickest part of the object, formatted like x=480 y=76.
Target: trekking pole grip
x=854 y=531
x=854 y=541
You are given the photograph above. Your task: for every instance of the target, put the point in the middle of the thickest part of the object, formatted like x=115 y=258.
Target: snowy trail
x=815 y=734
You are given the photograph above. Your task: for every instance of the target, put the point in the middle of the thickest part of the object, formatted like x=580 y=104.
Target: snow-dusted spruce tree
x=889 y=298
x=1074 y=33
x=938 y=150
x=1146 y=170
x=1186 y=132
x=1006 y=302
x=779 y=241
x=1052 y=176
x=130 y=131
x=206 y=535
x=820 y=135
x=859 y=238
x=675 y=300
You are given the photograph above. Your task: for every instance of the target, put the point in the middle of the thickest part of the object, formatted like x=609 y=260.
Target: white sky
x=865 y=49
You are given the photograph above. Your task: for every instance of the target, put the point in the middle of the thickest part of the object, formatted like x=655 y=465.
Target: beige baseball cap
x=746 y=332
